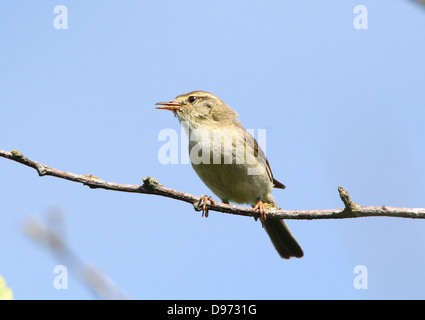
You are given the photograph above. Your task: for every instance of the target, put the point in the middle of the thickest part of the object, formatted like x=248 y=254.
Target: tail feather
x=282 y=239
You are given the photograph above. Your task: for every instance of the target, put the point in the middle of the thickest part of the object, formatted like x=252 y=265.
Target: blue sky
x=340 y=106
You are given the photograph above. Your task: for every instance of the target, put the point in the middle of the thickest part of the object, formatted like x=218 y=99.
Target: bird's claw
x=202 y=205
x=262 y=212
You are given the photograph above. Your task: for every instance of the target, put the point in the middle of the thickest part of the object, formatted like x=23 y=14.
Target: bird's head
x=200 y=108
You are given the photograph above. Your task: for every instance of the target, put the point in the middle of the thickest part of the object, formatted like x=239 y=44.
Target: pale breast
x=228 y=167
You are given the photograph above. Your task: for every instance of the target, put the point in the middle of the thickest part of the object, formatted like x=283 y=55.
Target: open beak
x=173 y=106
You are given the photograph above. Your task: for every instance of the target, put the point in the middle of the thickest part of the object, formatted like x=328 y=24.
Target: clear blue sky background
x=341 y=107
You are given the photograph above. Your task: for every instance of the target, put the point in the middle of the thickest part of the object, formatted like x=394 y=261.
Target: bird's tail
x=282 y=239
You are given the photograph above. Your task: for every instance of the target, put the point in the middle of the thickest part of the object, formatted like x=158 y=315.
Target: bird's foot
x=262 y=207
x=202 y=205
x=262 y=212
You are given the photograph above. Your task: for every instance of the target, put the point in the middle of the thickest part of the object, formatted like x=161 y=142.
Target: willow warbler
x=229 y=160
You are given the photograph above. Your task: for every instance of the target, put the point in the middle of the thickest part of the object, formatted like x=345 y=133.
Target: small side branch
x=350 y=206
x=152 y=186
x=47 y=234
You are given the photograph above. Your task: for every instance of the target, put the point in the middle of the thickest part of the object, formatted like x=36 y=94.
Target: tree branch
x=48 y=235
x=152 y=186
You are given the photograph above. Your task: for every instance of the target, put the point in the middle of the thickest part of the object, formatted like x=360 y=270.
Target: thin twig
x=96 y=280
x=152 y=186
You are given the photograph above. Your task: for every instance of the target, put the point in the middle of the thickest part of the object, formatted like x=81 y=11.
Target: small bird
x=229 y=161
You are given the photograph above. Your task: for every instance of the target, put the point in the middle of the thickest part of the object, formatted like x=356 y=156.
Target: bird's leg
x=260 y=207
x=203 y=204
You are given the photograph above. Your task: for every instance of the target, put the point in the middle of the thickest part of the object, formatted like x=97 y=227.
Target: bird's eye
x=191 y=99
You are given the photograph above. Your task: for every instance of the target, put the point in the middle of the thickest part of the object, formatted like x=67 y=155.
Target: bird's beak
x=173 y=106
